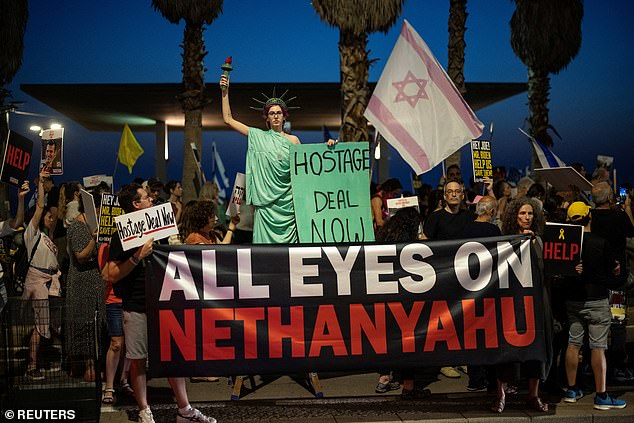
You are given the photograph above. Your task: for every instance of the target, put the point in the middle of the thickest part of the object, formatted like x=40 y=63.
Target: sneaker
x=608 y=403
x=573 y=395
x=477 y=387
x=449 y=372
x=145 y=416
x=382 y=388
x=416 y=393
x=34 y=374
x=195 y=416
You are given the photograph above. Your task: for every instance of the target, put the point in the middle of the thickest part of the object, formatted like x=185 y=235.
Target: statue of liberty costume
x=269 y=187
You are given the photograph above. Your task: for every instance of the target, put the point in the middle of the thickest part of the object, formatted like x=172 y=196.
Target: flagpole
x=114 y=172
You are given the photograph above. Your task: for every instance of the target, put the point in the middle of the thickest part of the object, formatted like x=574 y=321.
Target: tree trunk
x=456 y=48
x=193 y=134
x=538 y=92
x=192 y=101
x=354 y=86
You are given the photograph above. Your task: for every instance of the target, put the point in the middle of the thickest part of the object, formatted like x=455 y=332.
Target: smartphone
x=622 y=194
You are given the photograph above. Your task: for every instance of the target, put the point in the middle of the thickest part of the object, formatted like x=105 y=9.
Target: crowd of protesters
x=578 y=320
x=65 y=260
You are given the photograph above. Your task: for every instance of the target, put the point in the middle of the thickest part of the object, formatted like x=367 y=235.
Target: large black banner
x=231 y=309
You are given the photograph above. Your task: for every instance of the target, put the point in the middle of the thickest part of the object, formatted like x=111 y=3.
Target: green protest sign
x=331 y=192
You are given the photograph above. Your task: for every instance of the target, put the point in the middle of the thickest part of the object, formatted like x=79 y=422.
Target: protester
x=84 y=297
x=126 y=269
x=175 y=192
x=268 y=170
x=391 y=188
x=43 y=271
x=481 y=227
x=615 y=223
x=589 y=311
x=402 y=227
x=7 y=227
x=448 y=223
x=502 y=191
x=520 y=218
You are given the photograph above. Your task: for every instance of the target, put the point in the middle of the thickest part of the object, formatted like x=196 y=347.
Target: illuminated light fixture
x=56 y=126
x=166 y=152
x=35 y=128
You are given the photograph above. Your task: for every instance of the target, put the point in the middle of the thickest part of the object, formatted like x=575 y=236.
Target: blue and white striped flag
x=546 y=157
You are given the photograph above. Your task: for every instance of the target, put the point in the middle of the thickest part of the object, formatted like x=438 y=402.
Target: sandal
x=536 y=404
x=498 y=405
x=126 y=389
x=382 y=388
x=107 y=396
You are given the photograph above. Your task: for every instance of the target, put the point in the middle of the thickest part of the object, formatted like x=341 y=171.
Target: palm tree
x=196 y=14
x=13 y=17
x=355 y=20
x=455 y=66
x=546 y=36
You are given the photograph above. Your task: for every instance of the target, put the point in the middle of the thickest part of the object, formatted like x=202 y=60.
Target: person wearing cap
x=588 y=310
x=615 y=223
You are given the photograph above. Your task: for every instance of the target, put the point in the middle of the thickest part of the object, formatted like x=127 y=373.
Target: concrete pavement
x=351 y=398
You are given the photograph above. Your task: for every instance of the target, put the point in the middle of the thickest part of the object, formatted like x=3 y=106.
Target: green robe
x=269 y=187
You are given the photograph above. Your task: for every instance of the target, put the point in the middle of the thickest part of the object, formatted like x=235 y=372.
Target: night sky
x=285 y=41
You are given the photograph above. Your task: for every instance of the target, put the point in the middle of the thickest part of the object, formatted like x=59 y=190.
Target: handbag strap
x=34 y=248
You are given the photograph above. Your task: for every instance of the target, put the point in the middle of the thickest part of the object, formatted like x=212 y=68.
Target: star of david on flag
x=417 y=108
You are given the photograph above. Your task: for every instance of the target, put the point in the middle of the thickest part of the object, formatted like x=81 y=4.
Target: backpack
x=21 y=264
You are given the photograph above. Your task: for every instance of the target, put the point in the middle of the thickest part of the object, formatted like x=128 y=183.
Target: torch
x=226 y=67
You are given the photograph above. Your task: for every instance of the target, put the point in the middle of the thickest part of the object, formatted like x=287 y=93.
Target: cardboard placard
x=52 y=160
x=237 y=194
x=331 y=192
x=136 y=228
x=562 y=178
x=481 y=159
x=94 y=180
x=395 y=204
x=562 y=248
x=16 y=160
x=110 y=209
x=90 y=210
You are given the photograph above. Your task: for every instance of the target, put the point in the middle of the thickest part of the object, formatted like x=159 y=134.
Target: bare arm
x=232 y=227
x=226 y=109
x=39 y=205
x=377 y=213
x=88 y=251
x=19 y=214
x=117 y=270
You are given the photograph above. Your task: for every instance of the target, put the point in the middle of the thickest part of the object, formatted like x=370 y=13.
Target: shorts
x=114 y=319
x=593 y=315
x=135 y=333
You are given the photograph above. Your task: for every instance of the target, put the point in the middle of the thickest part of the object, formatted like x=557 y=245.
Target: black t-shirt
x=614 y=226
x=131 y=287
x=444 y=225
x=477 y=229
x=598 y=265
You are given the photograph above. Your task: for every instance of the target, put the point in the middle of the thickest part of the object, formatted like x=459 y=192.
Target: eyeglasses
x=453 y=191
x=277 y=113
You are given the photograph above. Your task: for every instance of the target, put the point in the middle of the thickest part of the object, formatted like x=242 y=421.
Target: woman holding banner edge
x=523 y=216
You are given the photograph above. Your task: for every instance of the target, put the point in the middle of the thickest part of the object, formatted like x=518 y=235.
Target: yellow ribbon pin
x=561 y=234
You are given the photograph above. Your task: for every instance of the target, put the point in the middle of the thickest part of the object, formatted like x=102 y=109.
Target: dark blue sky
x=118 y=41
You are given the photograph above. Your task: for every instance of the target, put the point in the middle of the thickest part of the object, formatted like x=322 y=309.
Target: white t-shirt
x=45 y=256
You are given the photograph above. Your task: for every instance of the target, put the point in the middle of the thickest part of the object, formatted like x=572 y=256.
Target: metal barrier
x=61 y=380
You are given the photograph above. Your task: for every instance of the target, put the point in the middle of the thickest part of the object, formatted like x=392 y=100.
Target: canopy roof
x=106 y=107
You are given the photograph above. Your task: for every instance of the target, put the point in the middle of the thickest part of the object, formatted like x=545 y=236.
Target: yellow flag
x=129 y=148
